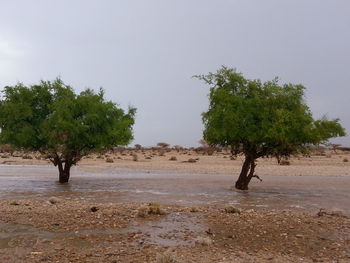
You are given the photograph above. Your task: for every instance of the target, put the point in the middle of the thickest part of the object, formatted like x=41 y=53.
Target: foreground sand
x=81 y=231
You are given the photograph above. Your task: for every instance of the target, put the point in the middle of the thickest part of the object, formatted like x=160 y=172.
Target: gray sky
x=143 y=53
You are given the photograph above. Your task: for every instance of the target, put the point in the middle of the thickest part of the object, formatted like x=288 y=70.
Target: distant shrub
x=203 y=143
x=151 y=209
x=135 y=158
x=109 y=160
x=154 y=209
x=210 y=151
x=178 y=148
x=6 y=148
x=191 y=160
x=345 y=160
x=284 y=162
x=163 y=144
x=173 y=158
x=27 y=157
x=138 y=146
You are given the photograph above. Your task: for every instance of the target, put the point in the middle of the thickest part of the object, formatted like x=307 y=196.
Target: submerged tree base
x=242 y=185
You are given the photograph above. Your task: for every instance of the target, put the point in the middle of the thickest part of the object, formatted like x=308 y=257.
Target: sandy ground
x=80 y=231
x=328 y=164
x=58 y=230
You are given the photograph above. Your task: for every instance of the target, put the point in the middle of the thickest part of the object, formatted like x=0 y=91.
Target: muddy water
x=125 y=185
x=170 y=231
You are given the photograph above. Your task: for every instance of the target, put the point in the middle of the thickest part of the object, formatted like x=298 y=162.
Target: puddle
x=173 y=230
x=176 y=229
x=4 y=242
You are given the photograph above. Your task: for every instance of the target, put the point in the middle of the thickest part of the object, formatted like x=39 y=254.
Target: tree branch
x=257 y=176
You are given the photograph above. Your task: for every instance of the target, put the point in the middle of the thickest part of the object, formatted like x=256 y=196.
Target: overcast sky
x=143 y=53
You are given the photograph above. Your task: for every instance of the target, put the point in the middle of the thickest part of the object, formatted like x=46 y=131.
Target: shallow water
x=126 y=185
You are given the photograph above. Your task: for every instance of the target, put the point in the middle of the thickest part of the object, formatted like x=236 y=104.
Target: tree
x=163 y=145
x=259 y=119
x=63 y=126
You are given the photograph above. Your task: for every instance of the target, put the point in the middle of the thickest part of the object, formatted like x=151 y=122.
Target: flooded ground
x=102 y=215
x=109 y=184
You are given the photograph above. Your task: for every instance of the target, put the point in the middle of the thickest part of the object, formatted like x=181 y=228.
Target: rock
x=94 y=209
x=204 y=241
x=54 y=200
x=232 y=210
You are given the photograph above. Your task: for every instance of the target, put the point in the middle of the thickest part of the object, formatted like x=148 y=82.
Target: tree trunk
x=64 y=172
x=246 y=174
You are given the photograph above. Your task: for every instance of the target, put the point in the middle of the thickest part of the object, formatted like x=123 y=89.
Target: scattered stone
x=323 y=212
x=142 y=211
x=209 y=232
x=14 y=203
x=167 y=257
x=94 y=209
x=54 y=200
x=232 y=210
x=36 y=253
x=173 y=158
x=109 y=160
x=194 y=209
x=204 y=241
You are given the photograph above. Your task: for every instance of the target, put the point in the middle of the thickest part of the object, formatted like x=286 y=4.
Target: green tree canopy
x=261 y=119
x=64 y=126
